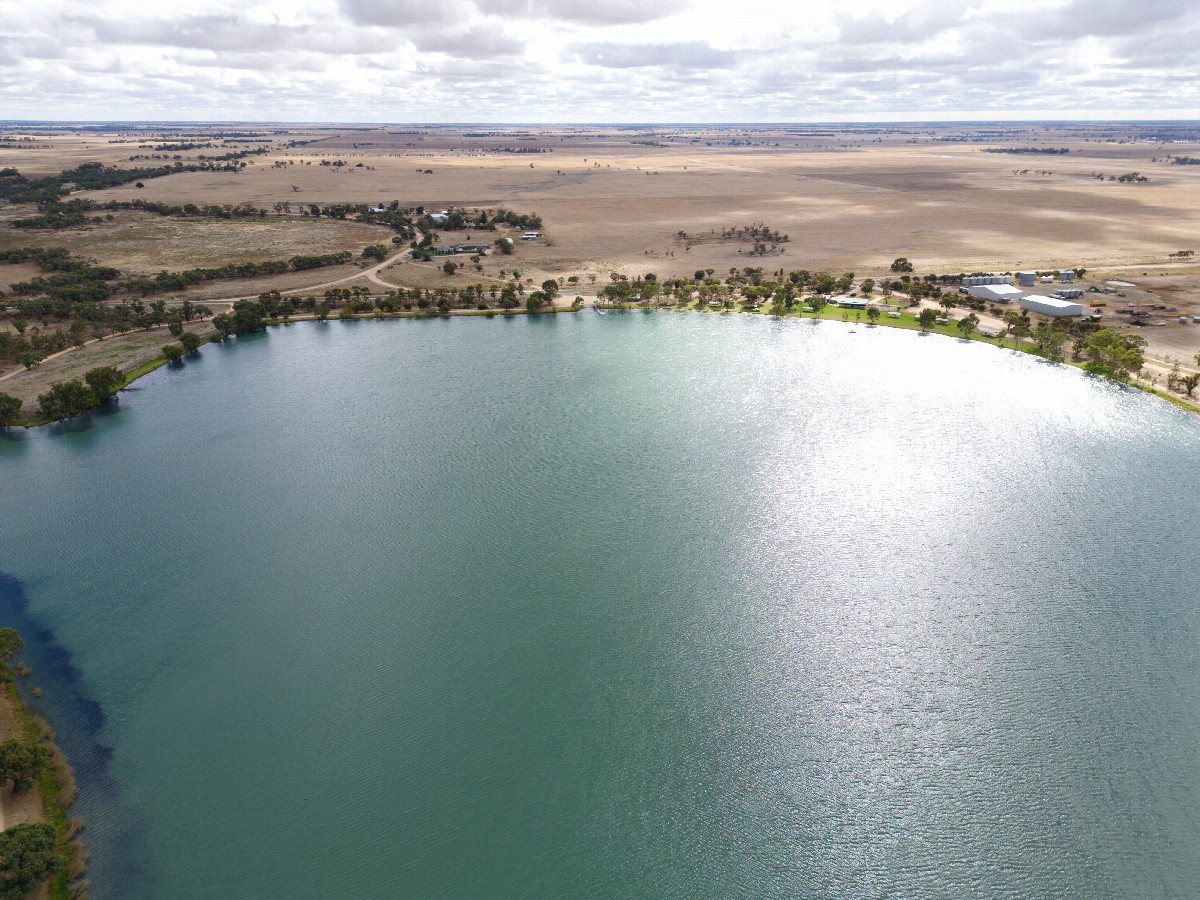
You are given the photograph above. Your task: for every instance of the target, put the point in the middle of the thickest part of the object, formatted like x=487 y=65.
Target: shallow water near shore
x=670 y=605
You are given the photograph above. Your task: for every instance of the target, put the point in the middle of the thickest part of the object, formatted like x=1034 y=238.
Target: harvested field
x=143 y=244
x=667 y=200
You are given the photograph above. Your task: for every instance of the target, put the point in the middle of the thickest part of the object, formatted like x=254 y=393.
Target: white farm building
x=996 y=293
x=1051 y=306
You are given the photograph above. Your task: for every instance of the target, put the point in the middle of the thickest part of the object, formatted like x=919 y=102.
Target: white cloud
x=627 y=60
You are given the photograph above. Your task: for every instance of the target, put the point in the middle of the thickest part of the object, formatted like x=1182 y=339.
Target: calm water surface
x=642 y=606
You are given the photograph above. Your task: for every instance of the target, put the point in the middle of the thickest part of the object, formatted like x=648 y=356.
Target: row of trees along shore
x=793 y=293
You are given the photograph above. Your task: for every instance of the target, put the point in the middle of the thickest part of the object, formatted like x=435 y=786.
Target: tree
x=321 y=311
x=927 y=318
x=104 y=382
x=1113 y=354
x=968 y=324
x=27 y=858
x=902 y=265
x=549 y=290
x=534 y=301
x=190 y=341
x=21 y=762
x=448 y=267
x=224 y=324
x=867 y=286
x=873 y=313
x=1189 y=382
x=175 y=326
x=10 y=408
x=66 y=399
x=172 y=352
x=1050 y=339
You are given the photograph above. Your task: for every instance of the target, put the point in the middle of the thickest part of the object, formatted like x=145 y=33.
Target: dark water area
x=78 y=722
x=640 y=606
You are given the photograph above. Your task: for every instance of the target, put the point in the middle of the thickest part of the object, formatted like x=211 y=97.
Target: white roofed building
x=1051 y=306
x=996 y=293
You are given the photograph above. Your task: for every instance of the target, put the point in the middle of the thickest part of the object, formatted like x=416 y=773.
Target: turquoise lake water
x=637 y=606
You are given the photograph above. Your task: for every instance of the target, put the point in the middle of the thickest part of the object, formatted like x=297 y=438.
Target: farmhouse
x=1051 y=306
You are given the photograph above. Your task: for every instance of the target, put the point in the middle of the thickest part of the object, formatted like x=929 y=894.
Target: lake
x=640 y=606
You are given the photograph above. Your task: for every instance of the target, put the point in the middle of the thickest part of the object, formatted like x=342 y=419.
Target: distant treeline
x=75 y=281
x=94 y=176
x=1184 y=160
x=1052 y=151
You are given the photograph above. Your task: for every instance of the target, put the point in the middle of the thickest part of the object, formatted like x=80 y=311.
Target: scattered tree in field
x=968 y=325
x=902 y=265
x=1188 y=383
x=873 y=312
x=927 y=318
x=175 y=326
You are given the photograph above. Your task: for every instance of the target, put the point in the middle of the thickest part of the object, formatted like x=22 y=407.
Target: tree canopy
x=27 y=857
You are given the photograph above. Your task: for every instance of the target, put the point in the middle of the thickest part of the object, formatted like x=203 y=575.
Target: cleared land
x=667 y=200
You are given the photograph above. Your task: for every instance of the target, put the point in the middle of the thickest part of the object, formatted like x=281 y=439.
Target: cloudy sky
x=598 y=60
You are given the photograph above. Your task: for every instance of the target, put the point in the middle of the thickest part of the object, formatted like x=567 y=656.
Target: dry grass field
x=662 y=200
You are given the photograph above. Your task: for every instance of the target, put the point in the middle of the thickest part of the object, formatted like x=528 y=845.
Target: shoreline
x=115 y=844
x=906 y=322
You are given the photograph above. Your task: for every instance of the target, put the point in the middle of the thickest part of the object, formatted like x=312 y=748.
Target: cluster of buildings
x=450 y=249
x=1000 y=289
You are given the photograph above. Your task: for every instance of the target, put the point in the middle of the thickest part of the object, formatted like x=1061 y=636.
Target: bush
x=21 y=762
